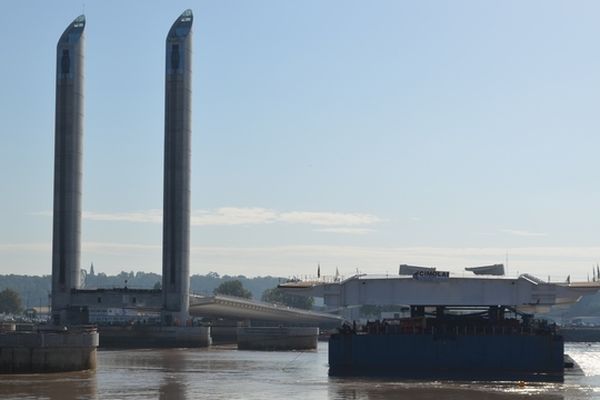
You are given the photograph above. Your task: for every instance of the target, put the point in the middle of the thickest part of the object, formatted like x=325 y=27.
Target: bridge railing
x=315 y=278
x=267 y=306
x=243 y=300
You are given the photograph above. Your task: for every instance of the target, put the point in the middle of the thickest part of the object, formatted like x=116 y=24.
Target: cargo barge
x=460 y=327
x=482 y=346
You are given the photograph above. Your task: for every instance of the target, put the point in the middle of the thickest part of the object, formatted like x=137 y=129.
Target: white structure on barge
x=428 y=287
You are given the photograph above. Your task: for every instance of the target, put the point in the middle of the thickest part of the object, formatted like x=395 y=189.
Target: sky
x=352 y=135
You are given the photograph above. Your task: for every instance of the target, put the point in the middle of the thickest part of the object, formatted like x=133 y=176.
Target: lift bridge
x=417 y=286
x=235 y=308
x=135 y=305
x=129 y=317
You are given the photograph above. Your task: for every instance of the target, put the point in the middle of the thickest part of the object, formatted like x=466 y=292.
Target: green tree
x=276 y=295
x=10 y=302
x=233 y=288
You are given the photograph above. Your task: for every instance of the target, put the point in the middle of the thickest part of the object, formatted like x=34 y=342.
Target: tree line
x=34 y=291
x=273 y=295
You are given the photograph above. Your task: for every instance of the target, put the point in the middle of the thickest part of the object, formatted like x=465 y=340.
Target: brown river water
x=226 y=373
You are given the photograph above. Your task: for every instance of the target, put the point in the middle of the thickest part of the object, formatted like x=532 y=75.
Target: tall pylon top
x=182 y=25
x=74 y=31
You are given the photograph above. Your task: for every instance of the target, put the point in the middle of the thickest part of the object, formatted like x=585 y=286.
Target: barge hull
x=468 y=357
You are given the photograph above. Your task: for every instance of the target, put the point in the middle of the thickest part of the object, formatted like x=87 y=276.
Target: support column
x=177 y=170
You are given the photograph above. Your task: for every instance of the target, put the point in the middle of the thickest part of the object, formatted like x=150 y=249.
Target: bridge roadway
x=241 y=309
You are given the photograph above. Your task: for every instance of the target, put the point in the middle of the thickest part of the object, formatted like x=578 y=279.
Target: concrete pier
x=224 y=334
x=280 y=339
x=50 y=350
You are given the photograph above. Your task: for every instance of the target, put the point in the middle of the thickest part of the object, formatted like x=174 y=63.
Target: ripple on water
x=225 y=373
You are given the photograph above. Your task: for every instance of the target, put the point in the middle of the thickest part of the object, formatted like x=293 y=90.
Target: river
x=226 y=373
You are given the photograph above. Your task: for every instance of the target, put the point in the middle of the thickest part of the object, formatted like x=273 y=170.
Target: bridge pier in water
x=277 y=338
x=47 y=350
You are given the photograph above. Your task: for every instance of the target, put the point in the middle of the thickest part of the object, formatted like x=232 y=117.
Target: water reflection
x=379 y=391
x=174 y=363
x=172 y=389
x=58 y=386
x=225 y=373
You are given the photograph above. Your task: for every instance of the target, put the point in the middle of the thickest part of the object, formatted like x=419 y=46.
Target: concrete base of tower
x=70 y=315
x=48 y=349
x=175 y=318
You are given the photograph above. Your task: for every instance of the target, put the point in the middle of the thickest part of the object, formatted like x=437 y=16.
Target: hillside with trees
x=10 y=302
x=34 y=291
x=233 y=288
x=276 y=295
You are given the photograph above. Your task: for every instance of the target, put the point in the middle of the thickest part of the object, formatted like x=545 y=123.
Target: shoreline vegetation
x=34 y=291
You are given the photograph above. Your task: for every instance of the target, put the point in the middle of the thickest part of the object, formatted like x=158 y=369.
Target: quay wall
x=224 y=334
x=39 y=351
x=277 y=339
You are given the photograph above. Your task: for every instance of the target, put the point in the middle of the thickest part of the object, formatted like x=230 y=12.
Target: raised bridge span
x=241 y=309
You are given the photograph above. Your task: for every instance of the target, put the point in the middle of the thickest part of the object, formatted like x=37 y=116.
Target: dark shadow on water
x=175 y=364
x=172 y=389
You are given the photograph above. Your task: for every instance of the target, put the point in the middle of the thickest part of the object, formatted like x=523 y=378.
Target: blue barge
x=468 y=327
x=462 y=348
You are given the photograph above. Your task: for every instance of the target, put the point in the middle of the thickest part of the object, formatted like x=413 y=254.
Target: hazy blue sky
x=348 y=133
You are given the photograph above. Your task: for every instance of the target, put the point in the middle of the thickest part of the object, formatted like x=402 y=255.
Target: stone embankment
x=47 y=349
x=277 y=338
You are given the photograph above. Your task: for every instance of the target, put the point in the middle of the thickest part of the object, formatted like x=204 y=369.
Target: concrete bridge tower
x=68 y=149
x=177 y=170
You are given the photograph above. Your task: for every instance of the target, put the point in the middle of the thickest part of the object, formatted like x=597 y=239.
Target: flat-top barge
x=461 y=326
x=473 y=346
